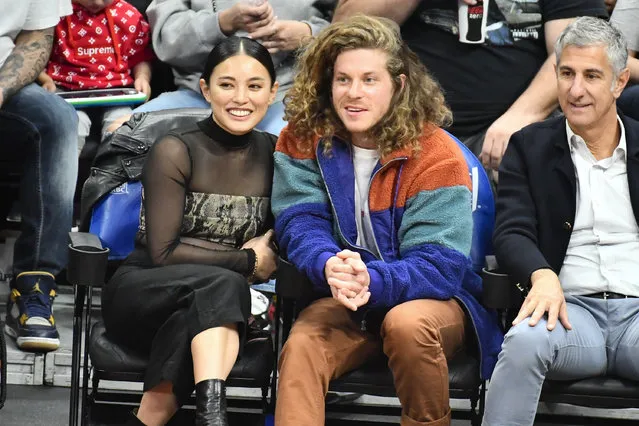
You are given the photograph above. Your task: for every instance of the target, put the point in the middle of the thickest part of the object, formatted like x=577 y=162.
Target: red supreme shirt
x=98 y=51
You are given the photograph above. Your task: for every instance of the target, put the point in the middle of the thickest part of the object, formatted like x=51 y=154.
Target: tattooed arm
x=28 y=58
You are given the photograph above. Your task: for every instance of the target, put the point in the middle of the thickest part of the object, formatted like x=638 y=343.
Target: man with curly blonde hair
x=372 y=202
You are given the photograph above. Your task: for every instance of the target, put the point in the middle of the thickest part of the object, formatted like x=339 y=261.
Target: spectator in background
x=372 y=202
x=185 y=31
x=625 y=17
x=102 y=44
x=48 y=181
x=578 y=253
x=493 y=88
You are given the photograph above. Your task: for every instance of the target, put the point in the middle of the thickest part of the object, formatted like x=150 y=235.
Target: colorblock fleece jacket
x=420 y=209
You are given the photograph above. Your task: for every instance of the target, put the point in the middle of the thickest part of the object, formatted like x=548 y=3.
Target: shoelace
x=37 y=305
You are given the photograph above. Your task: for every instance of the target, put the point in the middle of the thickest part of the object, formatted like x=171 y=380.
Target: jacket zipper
x=363 y=326
x=368 y=193
x=339 y=228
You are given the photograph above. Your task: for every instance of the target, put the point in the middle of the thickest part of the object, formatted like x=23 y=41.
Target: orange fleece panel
x=439 y=164
x=288 y=144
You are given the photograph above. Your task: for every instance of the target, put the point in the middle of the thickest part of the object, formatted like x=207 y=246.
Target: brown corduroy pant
x=325 y=343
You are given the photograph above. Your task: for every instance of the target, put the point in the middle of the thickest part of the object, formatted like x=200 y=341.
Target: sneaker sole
x=35 y=344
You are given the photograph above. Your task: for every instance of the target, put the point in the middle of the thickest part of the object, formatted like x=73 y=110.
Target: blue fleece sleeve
x=435 y=239
x=303 y=219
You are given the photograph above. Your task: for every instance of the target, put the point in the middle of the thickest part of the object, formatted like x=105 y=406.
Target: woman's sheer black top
x=206 y=192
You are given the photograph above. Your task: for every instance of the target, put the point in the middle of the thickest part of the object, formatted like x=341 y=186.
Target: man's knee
x=418 y=324
x=48 y=111
x=524 y=343
x=404 y=328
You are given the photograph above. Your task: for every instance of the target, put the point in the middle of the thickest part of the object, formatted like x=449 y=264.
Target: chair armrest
x=291 y=283
x=499 y=292
x=87 y=260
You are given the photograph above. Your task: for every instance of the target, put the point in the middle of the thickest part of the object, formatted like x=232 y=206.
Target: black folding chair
x=86 y=269
x=111 y=361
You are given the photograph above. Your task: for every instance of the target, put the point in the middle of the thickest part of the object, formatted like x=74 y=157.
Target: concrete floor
x=48 y=406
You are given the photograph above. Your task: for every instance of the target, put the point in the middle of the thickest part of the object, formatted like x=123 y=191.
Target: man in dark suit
x=567 y=213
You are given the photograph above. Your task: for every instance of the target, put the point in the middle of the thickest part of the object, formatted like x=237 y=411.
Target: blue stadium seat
x=483 y=209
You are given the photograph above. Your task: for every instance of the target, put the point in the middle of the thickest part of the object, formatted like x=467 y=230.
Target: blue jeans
x=273 y=121
x=181 y=98
x=48 y=182
x=604 y=340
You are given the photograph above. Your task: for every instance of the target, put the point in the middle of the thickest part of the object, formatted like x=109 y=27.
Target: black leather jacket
x=121 y=156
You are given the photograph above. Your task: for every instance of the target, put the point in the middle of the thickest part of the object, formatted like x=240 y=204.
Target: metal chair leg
x=85 y=368
x=276 y=347
x=477 y=415
x=80 y=292
x=3 y=366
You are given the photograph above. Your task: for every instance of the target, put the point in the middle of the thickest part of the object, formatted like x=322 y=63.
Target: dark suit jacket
x=536 y=202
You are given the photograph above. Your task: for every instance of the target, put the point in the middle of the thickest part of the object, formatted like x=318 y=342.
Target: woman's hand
x=243 y=16
x=265 y=256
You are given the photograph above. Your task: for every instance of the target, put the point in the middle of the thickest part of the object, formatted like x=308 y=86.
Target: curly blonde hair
x=309 y=108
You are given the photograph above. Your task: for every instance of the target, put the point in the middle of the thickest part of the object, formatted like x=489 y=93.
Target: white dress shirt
x=603 y=252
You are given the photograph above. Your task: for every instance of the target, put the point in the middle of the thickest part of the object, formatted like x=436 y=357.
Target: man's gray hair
x=588 y=31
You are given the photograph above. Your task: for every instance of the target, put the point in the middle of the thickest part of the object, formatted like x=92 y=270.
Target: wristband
x=252 y=256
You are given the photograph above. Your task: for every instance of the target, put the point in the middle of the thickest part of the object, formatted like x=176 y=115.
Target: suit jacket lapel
x=562 y=163
x=632 y=143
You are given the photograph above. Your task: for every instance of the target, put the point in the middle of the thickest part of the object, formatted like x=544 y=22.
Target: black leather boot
x=210 y=403
x=134 y=421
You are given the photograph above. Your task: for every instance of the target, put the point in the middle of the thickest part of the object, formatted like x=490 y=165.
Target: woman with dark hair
x=185 y=30
x=183 y=294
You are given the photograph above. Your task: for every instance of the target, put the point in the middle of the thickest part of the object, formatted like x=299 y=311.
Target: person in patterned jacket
x=372 y=202
x=103 y=44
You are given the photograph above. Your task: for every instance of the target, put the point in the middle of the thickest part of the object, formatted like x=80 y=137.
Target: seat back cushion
x=483 y=209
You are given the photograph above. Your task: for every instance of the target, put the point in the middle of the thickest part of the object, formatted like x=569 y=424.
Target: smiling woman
x=204 y=234
x=239 y=82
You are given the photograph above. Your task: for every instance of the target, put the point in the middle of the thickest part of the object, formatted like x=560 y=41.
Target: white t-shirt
x=18 y=15
x=364 y=161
